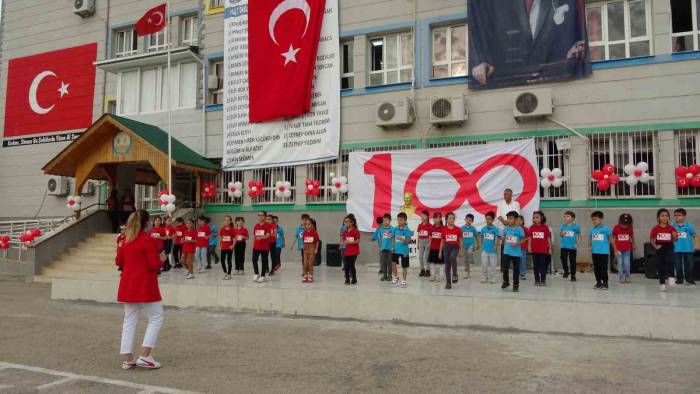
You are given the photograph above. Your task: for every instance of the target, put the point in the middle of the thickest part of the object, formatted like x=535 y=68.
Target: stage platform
x=638 y=309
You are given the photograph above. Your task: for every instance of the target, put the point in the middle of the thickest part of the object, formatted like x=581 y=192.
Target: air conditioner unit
x=88 y=188
x=212 y=82
x=532 y=104
x=396 y=113
x=448 y=110
x=57 y=186
x=84 y=8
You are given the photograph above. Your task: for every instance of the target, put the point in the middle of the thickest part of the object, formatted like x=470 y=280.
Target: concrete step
x=90 y=255
x=86 y=261
x=76 y=270
x=93 y=249
x=94 y=255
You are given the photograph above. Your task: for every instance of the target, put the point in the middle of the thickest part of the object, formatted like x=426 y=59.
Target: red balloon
x=598 y=175
x=614 y=179
x=695 y=182
x=608 y=169
x=5 y=239
x=694 y=169
x=603 y=185
x=4 y=245
x=682 y=182
x=681 y=171
x=36 y=232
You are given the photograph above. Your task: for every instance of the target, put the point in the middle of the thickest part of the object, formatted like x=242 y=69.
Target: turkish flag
x=152 y=21
x=283 y=38
x=52 y=91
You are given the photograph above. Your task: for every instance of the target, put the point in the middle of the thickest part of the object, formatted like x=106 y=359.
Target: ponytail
x=136 y=223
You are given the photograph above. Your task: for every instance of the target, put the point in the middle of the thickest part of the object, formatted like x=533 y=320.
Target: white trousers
x=154 y=310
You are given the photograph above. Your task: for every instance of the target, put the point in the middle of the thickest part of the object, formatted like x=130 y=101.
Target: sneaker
x=305 y=279
x=311 y=279
x=271 y=273
x=347 y=281
x=433 y=279
x=566 y=275
x=522 y=277
x=261 y=279
x=604 y=287
x=422 y=273
x=543 y=284
x=454 y=278
x=147 y=362
x=427 y=273
x=208 y=266
x=227 y=277
x=573 y=278
x=441 y=279
x=537 y=283
x=663 y=288
x=597 y=286
x=200 y=270
x=276 y=267
x=126 y=366
x=178 y=265
x=403 y=284
x=189 y=276
x=256 y=277
x=448 y=285
x=515 y=289
x=505 y=285
x=466 y=276
x=689 y=283
x=381 y=272
x=484 y=280
x=395 y=281
x=493 y=281
x=353 y=281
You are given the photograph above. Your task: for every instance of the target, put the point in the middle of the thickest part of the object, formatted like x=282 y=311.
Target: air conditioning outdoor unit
x=532 y=104
x=88 y=188
x=448 y=110
x=395 y=113
x=57 y=186
x=212 y=82
x=84 y=8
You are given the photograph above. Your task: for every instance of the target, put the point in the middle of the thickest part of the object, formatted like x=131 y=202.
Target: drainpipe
x=200 y=39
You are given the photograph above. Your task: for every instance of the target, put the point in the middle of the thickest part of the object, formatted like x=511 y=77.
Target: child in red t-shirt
x=241 y=234
x=189 y=245
x=662 y=237
x=540 y=246
x=227 y=241
x=203 y=235
x=351 y=240
x=158 y=233
x=177 y=247
x=168 y=238
x=623 y=237
x=310 y=239
x=434 y=258
x=424 y=229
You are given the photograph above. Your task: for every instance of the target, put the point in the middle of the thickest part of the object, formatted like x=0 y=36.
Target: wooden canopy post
x=198 y=189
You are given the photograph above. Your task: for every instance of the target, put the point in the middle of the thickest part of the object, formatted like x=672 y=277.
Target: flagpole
x=170 y=80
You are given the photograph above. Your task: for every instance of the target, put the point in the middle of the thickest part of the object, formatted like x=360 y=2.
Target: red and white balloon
x=4 y=242
x=208 y=191
x=73 y=202
x=167 y=202
x=313 y=187
x=339 y=185
x=28 y=237
x=551 y=178
x=235 y=189
x=283 y=189
x=688 y=176
x=637 y=173
x=255 y=189
x=605 y=177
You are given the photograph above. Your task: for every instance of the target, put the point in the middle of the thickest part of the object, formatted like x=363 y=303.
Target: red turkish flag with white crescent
x=49 y=92
x=152 y=21
x=283 y=37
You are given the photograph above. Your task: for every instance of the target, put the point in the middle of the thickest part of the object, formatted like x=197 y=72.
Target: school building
x=641 y=104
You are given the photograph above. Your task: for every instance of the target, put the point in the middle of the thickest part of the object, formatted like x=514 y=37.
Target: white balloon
x=343 y=180
x=287 y=185
x=254 y=189
x=287 y=193
x=278 y=184
x=632 y=180
x=344 y=188
x=645 y=178
x=335 y=190
x=642 y=165
x=629 y=169
x=310 y=187
x=334 y=181
x=545 y=183
x=230 y=184
x=77 y=200
x=169 y=207
x=557 y=172
x=238 y=185
x=171 y=198
x=545 y=172
x=163 y=197
x=557 y=182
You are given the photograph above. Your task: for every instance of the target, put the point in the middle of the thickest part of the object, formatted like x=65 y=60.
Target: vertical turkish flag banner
x=50 y=92
x=283 y=39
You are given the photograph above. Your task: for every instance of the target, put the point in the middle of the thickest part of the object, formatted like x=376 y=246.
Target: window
x=270 y=176
x=125 y=43
x=223 y=180
x=454 y=144
x=347 y=75
x=687 y=154
x=145 y=90
x=685 y=25
x=549 y=156
x=620 y=149
x=324 y=172
x=391 y=59
x=189 y=30
x=156 y=41
x=217 y=96
x=619 y=29
x=449 y=51
x=216 y=3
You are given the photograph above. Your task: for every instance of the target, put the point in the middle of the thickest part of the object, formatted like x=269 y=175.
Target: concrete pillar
x=580 y=177
x=661 y=26
x=300 y=177
x=360 y=61
x=665 y=170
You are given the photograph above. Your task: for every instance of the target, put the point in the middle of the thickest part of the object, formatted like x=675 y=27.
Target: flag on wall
x=152 y=21
x=51 y=91
x=283 y=38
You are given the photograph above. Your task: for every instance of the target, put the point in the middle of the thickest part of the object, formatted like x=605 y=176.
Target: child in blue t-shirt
x=402 y=237
x=384 y=235
x=684 y=248
x=513 y=237
x=489 y=242
x=211 y=249
x=298 y=240
x=470 y=240
x=570 y=234
x=601 y=240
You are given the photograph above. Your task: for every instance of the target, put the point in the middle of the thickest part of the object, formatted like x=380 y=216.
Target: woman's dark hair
x=352 y=220
x=625 y=218
x=543 y=219
x=313 y=222
x=662 y=210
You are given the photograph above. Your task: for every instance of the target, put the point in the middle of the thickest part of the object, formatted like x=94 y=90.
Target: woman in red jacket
x=138 y=289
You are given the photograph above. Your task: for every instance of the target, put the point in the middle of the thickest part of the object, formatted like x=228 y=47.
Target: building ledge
x=147 y=59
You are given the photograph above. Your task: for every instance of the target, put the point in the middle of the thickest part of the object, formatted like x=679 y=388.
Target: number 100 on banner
x=460 y=180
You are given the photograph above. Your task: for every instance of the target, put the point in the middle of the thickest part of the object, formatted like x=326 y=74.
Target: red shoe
x=305 y=280
x=311 y=279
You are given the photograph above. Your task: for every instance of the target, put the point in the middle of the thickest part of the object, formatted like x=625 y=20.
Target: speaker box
x=333 y=256
x=317 y=262
x=650 y=270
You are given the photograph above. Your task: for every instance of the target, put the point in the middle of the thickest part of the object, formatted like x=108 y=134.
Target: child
x=385 y=235
x=228 y=240
x=262 y=232
x=157 y=232
x=623 y=236
x=402 y=237
x=662 y=237
x=351 y=240
x=540 y=246
x=470 y=241
x=273 y=241
x=276 y=248
x=121 y=239
x=310 y=237
x=424 y=229
x=298 y=241
x=434 y=258
x=177 y=247
x=600 y=237
x=203 y=234
x=168 y=242
x=189 y=243
x=211 y=248
x=684 y=248
x=512 y=251
x=570 y=234
x=490 y=242
x=450 y=247
x=377 y=237
x=241 y=234
x=520 y=221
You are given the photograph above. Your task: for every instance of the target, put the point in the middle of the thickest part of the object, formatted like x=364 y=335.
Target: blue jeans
x=200 y=255
x=523 y=264
x=623 y=264
x=685 y=267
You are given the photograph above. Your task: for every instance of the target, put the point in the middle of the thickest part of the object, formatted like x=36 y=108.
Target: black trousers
x=568 y=261
x=349 y=265
x=177 y=250
x=226 y=255
x=600 y=268
x=263 y=255
x=507 y=260
x=664 y=262
x=211 y=251
x=275 y=256
x=115 y=218
x=539 y=261
x=239 y=253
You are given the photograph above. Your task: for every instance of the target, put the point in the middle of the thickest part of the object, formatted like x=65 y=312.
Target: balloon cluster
x=167 y=201
x=255 y=189
x=636 y=174
x=605 y=177
x=313 y=187
x=283 y=189
x=551 y=178
x=29 y=236
x=73 y=202
x=340 y=185
x=4 y=242
x=208 y=191
x=688 y=176
x=235 y=189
